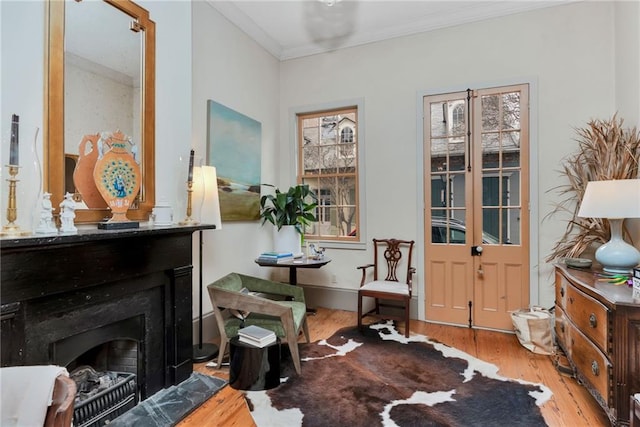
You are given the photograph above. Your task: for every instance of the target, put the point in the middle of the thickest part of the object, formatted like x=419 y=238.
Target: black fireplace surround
x=63 y=295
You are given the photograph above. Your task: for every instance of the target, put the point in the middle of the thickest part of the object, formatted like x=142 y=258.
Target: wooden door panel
x=492 y=169
x=450 y=290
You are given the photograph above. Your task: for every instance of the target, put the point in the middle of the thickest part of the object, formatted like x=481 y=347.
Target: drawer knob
x=595 y=368
x=571 y=300
x=593 y=320
x=562 y=292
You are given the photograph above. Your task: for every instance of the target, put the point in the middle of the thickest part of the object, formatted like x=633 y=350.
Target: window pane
x=328 y=159
x=511 y=110
x=439 y=147
x=512 y=188
x=446 y=228
x=346 y=157
x=511 y=226
x=490 y=150
x=438 y=121
x=333 y=159
x=457 y=190
x=490 y=113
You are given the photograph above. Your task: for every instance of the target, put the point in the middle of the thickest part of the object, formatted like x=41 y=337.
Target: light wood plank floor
x=571 y=404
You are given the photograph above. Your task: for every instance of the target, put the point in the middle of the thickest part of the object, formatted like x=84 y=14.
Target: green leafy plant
x=295 y=207
x=606 y=151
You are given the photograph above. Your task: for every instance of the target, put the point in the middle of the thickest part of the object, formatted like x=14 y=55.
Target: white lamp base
x=617 y=256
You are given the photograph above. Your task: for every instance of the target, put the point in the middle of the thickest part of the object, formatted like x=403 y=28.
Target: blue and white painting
x=234 y=148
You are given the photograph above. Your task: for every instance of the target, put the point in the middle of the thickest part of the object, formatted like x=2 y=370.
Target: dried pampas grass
x=606 y=151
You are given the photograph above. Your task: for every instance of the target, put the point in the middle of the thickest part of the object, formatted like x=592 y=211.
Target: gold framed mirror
x=66 y=121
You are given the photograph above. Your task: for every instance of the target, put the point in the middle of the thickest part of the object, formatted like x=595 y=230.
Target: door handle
x=476 y=250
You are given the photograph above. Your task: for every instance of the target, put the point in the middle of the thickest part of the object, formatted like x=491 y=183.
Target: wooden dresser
x=598 y=326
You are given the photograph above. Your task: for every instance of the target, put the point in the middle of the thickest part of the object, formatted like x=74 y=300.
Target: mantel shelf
x=94 y=234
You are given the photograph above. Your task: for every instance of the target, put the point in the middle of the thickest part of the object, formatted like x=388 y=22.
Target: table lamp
x=206 y=191
x=614 y=200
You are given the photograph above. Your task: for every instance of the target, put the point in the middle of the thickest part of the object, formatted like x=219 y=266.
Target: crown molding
x=238 y=18
x=466 y=12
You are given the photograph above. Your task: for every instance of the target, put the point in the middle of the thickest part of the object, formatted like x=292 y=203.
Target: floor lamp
x=210 y=214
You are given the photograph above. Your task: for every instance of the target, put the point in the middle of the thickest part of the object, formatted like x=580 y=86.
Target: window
x=458 y=119
x=328 y=163
x=346 y=135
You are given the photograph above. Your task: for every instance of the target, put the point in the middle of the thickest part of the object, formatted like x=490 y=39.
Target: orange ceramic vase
x=117 y=177
x=83 y=173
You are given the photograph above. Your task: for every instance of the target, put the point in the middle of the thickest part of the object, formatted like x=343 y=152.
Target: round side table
x=254 y=368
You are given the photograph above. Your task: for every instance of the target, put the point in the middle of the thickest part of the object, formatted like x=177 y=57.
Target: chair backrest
x=395 y=254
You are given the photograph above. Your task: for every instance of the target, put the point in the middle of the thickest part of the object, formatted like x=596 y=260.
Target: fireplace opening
x=107 y=370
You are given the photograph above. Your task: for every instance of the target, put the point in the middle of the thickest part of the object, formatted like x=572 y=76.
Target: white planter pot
x=287 y=239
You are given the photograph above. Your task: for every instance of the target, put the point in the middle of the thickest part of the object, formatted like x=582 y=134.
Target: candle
x=13 y=149
x=190 y=179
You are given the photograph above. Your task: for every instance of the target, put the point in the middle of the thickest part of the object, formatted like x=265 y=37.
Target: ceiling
x=295 y=28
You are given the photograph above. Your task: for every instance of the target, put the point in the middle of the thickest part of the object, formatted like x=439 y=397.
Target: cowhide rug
x=382 y=378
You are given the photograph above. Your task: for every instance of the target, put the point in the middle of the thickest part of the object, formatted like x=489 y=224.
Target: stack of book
x=275 y=257
x=256 y=336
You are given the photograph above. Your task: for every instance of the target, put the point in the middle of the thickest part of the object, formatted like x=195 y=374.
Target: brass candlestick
x=12 y=229
x=188 y=220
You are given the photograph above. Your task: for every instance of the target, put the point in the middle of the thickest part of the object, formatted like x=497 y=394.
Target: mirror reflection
x=102 y=63
x=101 y=79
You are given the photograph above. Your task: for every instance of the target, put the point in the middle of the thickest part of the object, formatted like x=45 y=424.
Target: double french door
x=476 y=174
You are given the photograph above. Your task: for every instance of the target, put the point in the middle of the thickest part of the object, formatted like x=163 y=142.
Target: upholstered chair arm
x=256 y=284
x=364 y=268
x=252 y=303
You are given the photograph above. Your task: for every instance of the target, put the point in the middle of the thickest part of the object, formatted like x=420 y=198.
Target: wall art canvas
x=233 y=147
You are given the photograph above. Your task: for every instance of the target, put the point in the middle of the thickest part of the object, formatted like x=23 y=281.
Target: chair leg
x=295 y=355
x=406 y=318
x=292 y=339
x=305 y=328
x=359 y=312
x=223 y=344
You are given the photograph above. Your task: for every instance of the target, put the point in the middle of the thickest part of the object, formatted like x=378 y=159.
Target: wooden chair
x=284 y=317
x=394 y=254
x=60 y=413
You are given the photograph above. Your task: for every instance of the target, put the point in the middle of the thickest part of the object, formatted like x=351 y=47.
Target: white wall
x=627 y=54
x=231 y=69
x=22 y=86
x=567 y=50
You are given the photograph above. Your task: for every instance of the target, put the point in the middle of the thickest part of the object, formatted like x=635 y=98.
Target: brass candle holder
x=12 y=229
x=188 y=220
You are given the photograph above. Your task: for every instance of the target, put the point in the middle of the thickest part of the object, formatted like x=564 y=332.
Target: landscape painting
x=233 y=147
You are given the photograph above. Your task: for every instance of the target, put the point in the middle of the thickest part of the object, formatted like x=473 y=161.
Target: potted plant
x=289 y=212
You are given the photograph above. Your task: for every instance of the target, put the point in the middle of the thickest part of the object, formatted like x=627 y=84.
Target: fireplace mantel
x=56 y=287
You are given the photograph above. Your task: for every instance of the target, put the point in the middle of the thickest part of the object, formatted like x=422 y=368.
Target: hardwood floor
x=571 y=405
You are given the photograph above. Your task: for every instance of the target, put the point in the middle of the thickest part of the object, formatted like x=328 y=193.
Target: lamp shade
x=210 y=213
x=611 y=199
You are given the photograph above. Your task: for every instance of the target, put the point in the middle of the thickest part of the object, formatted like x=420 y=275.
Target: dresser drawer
x=589 y=316
x=561 y=328
x=591 y=364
